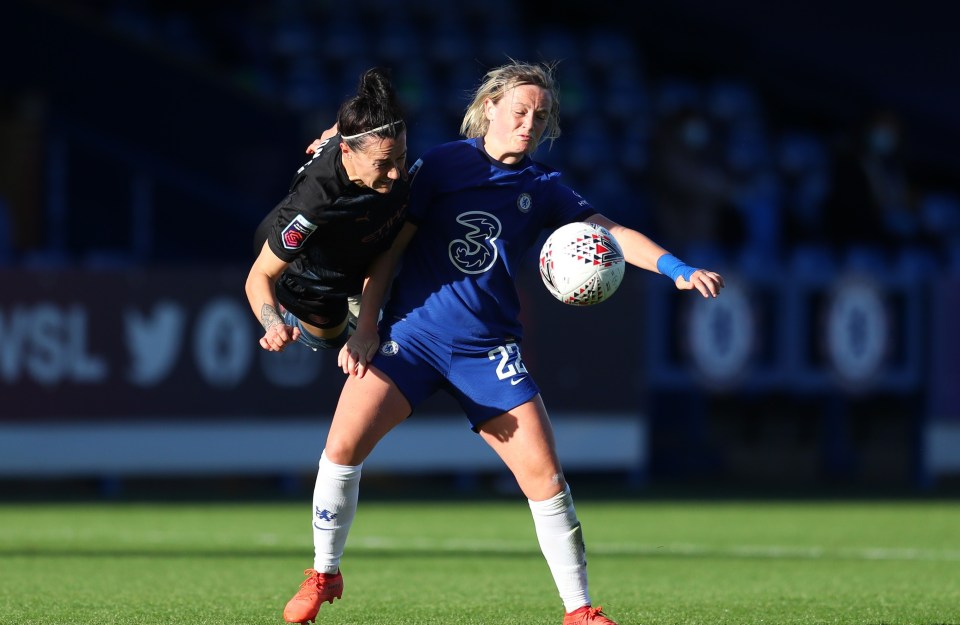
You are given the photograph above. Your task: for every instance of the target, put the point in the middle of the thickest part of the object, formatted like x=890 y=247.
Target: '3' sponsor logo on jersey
x=477 y=251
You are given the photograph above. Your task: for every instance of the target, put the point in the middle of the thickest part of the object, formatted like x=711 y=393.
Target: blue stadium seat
x=306 y=85
x=633 y=153
x=578 y=92
x=399 y=44
x=449 y=41
x=953 y=257
x=761 y=217
x=179 y=32
x=454 y=88
x=626 y=96
x=940 y=214
x=426 y=132
x=612 y=194
x=811 y=260
x=704 y=254
x=344 y=83
x=42 y=258
x=588 y=143
x=730 y=100
x=342 y=42
x=940 y=218
x=294 y=37
x=608 y=50
x=500 y=42
x=133 y=20
x=6 y=233
x=799 y=151
x=747 y=147
x=108 y=259
x=676 y=93
x=868 y=259
x=416 y=87
x=917 y=263
x=554 y=43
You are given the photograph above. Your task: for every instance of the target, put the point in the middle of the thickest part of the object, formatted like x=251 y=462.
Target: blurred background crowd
x=785 y=144
x=753 y=133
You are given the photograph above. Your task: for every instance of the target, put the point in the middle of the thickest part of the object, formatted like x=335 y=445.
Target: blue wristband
x=672 y=267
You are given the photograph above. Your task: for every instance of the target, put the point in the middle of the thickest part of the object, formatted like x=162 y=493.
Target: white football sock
x=561 y=542
x=335 y=498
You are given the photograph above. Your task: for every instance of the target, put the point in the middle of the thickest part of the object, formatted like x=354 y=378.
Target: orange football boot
x=587 y=616
x=317 y=588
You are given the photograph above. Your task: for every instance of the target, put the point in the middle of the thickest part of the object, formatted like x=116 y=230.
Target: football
x=581 y=264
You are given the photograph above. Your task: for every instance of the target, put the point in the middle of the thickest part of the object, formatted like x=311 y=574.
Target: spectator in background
x=870 y=201
x=803 y=169
x=693 y=193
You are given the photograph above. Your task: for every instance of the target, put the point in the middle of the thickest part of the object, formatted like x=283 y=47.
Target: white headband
x=377 y=129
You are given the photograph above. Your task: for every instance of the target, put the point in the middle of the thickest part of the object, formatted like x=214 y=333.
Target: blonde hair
x=500 y=80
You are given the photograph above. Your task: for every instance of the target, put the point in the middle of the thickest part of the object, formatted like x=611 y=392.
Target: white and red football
x=581 y=264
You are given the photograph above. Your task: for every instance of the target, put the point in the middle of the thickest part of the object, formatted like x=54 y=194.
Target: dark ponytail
x=373 y=112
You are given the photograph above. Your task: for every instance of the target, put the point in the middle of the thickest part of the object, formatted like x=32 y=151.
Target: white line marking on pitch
x=382 y=543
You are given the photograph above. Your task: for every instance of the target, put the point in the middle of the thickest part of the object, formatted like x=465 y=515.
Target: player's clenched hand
x=357 y=353
x=708 y=283
x=279 y=336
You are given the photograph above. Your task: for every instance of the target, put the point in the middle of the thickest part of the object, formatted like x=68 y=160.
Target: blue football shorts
x=486 y=382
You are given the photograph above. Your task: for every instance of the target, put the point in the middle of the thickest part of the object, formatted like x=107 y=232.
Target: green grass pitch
x=651 y=562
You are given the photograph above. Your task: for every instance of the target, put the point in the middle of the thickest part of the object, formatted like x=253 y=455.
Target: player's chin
x=526 y=145
x=383 y=186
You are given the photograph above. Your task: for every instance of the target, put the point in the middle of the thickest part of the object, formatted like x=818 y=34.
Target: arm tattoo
x=269 y=317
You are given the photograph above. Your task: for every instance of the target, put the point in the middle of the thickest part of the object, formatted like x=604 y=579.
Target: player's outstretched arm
x=640 y=251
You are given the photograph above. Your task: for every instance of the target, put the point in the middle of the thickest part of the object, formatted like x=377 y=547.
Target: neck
x=498 y=153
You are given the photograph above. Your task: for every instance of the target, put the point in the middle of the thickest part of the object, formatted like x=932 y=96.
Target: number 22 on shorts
x=509 y=364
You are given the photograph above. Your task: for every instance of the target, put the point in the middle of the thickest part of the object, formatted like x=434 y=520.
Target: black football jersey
x=330 y=229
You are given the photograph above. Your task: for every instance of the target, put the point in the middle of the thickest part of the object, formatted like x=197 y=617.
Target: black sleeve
x=262 y=232
x=297 y=217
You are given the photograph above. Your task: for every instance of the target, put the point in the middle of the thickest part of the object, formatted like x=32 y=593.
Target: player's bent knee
x=542 y=486
x=342 y=452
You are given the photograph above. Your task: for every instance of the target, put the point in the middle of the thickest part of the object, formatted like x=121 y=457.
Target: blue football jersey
x=477 y=218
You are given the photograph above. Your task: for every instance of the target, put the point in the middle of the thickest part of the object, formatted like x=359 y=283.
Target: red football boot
x=587 y=616
x=317 y=588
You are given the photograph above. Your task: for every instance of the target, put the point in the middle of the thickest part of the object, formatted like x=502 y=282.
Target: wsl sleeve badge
x=296 y=233
x=581 y=264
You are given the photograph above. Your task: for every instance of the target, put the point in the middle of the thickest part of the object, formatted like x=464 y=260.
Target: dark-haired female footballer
x=343 y=208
